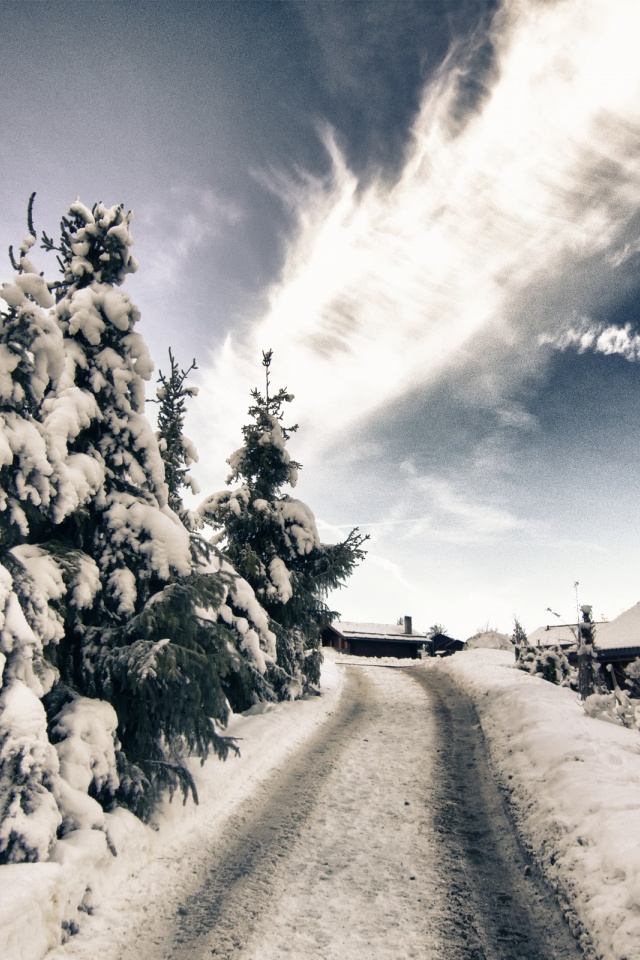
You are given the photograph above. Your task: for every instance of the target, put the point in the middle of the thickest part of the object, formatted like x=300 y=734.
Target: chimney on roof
x=407 y=625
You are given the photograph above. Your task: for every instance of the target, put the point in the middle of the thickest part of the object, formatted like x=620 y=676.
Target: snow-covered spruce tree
x=178 y=452
x=30 y=356
x=39 y=586
x=272 y=540
x=252 y=643
x=107 y=603
x=153 y=644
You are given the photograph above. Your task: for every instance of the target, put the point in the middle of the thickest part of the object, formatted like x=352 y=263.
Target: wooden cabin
x=387 y=640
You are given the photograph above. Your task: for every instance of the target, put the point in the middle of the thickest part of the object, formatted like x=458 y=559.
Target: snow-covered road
x=383 y=837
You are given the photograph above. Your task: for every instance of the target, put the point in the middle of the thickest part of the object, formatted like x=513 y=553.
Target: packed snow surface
x=573 y=784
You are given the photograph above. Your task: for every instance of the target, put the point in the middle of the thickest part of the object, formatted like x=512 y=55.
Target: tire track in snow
x=220 y=915
x=500 y=904
x=361 y=880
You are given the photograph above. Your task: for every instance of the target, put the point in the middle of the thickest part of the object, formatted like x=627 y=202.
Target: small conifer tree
x=178 y=452
x=519 y=638
x=272 y=541
x=248 y=634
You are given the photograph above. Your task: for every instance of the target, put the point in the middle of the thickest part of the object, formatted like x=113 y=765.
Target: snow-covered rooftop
x=616 y=634
x=379 y=631
x=554 y=634
x=622 y=632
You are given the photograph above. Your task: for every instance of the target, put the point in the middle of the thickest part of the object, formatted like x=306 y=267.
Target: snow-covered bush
x=614 y=707
x=549 y=663
x=271 y=539
x=632 y=673
x=618 y=705
x=84 y=736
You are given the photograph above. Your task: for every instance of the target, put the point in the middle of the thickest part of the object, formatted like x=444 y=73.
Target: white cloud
x=608 y=340
x=383 y=287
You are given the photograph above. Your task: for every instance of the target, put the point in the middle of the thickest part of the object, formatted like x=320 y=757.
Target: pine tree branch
x=30 y=225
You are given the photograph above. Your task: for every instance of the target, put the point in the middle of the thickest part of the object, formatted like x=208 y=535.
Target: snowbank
x=490 y=640
x=42 y=903
x=574 y=784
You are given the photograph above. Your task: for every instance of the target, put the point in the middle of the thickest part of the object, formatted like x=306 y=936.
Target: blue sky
x=430 y=211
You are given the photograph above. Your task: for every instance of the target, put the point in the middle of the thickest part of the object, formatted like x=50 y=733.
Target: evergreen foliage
x=178 y=452
x=31 y=358
x=151 y=645
x=272 y=540
x=124 y=636
x=519 y=638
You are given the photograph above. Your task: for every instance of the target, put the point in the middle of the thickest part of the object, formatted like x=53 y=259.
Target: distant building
x=375 y=639
x=617 y=642
x=440 y=645
x=386 y=640
x=557 y=635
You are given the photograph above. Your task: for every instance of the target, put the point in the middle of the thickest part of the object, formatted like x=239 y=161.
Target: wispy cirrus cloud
x=447 y=511
x=458 y=515
x=384 y=287
x=187 y=219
